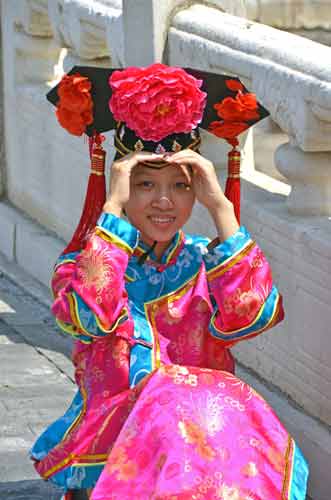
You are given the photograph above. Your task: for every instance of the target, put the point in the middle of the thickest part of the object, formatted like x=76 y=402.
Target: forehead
x=159 y=173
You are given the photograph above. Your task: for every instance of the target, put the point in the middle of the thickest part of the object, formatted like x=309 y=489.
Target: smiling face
x=161 y=201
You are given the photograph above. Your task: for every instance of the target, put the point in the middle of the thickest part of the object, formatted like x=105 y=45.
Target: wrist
x=222 y=205
x=225 y=220
x=113 y=207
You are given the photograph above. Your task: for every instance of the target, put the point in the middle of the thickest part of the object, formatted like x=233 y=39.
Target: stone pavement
x=36 y=384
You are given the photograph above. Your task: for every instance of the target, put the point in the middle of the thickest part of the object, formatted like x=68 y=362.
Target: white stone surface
x=145 y=46
x=294 y=84
x=291 y=14
x=310 y=177
x=81 y=25
x=32 y=16
x=8 y=221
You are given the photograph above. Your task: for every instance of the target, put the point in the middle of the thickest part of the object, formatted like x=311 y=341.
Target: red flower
x=157 y=101
x=74 y=93
x=75 y=105
x=242 y=107
x=228 y=130
x=234 y=85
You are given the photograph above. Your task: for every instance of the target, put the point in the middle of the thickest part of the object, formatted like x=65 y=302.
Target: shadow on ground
x=29 y=490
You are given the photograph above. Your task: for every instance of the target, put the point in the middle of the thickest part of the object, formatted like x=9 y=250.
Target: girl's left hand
x=204 y=181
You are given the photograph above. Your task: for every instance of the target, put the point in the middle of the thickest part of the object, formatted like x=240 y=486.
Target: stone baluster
x=310 y=177
x=2 y=139
x=145 y=44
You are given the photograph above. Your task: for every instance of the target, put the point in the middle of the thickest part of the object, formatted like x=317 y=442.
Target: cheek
x=135 y=207
x=185 y=204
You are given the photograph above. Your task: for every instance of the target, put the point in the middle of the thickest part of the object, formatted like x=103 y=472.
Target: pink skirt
x=197 y=433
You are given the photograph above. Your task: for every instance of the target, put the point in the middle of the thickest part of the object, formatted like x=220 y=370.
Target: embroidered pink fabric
x=196 y=433
x=182 y=419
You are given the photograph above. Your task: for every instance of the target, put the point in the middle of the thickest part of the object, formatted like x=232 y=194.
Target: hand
x=119 y=189
x=208 y=190
x=204 y=180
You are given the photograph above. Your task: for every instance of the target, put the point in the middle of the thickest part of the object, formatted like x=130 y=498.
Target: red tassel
x=95 y=195
x=232 y=188
x=69 y=495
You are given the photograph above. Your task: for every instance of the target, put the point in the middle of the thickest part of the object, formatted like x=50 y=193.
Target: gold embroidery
x=94 y=270
x=230 y=493
x=139 y=146
x=193 y=434
x=176 y=147
x=250 y=469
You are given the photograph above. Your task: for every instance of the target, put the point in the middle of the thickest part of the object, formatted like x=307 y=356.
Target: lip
x=161 y=220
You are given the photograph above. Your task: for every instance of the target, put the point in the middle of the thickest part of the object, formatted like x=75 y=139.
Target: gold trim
x=288 y=470
x=273 y=316
x=152 y=306
x=111 y=238
x=222 y=268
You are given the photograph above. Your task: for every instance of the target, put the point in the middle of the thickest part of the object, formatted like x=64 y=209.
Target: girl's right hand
x=119 y=189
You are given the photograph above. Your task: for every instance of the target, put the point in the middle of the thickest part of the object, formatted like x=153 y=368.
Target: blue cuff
x=227 y=249
x=118 y=229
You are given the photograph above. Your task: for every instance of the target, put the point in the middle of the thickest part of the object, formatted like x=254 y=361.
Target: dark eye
x=145 y=184
x=183 y=185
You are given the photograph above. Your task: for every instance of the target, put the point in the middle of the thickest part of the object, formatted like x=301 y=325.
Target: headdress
x=156 y=109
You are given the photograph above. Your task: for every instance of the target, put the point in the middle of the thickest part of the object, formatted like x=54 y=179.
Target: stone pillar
x=2 y=140
x=146 y=24
x=310 y=177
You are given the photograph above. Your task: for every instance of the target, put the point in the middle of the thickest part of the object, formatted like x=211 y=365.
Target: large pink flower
x=157 y=101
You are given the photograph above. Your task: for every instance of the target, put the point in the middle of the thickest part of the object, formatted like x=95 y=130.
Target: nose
x=163 y=202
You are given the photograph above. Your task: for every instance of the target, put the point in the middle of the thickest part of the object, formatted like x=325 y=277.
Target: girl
x=158 y=413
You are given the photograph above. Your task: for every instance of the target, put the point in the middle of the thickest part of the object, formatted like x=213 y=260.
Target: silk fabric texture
x=158 y=412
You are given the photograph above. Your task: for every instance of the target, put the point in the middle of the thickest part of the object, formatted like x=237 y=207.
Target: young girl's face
x=161 y=201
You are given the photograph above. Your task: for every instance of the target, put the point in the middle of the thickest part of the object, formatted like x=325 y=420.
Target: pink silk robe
x=146 y=330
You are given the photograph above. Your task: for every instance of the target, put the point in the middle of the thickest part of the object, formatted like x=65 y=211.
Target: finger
x=186 y=173
x=131 y=160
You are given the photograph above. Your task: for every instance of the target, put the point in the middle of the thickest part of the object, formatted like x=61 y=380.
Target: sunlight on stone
x=6 y=308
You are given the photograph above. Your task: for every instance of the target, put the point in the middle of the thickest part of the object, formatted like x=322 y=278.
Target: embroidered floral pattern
x=95 y=269
x=243 y=304
x=193 y=434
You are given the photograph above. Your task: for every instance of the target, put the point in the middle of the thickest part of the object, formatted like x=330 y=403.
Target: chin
x=159 y=236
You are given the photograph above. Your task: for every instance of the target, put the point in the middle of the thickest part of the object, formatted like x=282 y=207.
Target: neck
x=159 y=248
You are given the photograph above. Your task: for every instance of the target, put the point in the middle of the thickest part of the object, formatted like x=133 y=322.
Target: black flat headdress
x=214 y=85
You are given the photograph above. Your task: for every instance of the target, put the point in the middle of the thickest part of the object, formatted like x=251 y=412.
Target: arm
x=88 y=286
x=246 y=302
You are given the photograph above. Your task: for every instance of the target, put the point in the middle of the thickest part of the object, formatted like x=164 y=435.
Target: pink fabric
x=97 y=277
x=179 y=324
x=241 y=291
x=197 y=434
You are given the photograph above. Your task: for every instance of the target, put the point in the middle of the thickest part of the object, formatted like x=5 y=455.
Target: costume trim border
x=231 y=335
x=111 y=238
x=224 y=266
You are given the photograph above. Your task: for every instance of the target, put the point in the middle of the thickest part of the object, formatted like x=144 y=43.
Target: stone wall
x=2 y=140
x=308 y=18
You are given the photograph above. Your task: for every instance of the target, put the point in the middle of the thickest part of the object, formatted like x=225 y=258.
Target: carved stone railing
x=294 y=85
x=288 y=213
x=291 y=14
